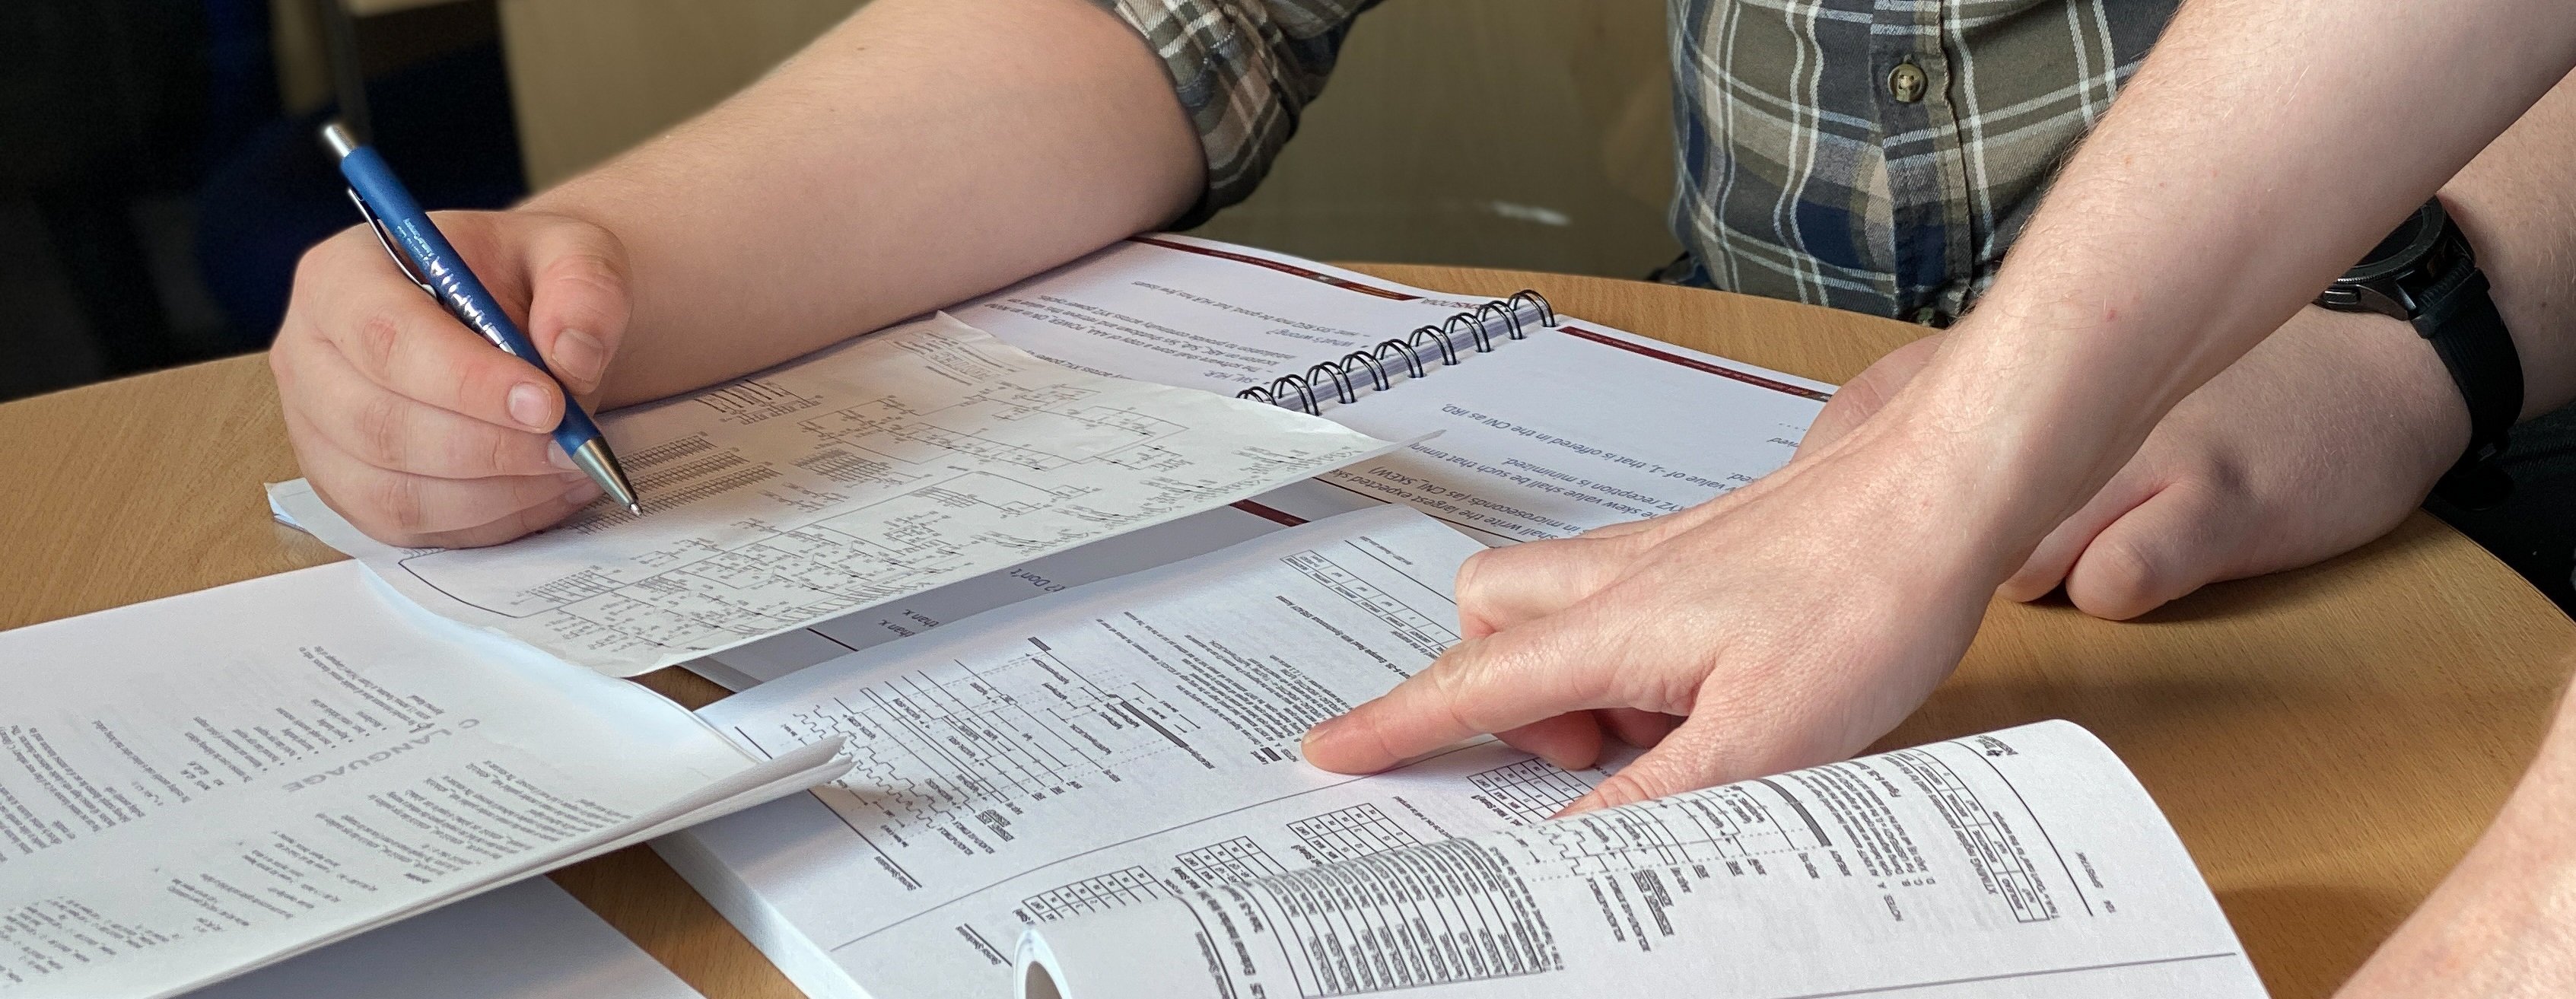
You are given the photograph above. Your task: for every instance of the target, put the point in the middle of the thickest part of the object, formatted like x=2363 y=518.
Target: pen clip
x=385 y=239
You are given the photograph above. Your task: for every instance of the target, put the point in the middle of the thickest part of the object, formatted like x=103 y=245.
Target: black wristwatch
x=2425 y=274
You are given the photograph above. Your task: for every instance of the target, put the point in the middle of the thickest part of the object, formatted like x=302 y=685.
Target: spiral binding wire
x=1476 y=328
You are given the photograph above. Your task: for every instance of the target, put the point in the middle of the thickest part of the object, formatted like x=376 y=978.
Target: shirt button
x=1905 y=83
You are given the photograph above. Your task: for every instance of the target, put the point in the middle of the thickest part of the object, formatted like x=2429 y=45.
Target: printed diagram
x=773 y=502
x=1237 y=859
x=1426 y=634
x=1528 y=792
x=1456 y=904
x=1993 y=848
x=1732 y=826
x=1343 y=834
x=752 y=400
x=1041 y=429
x=986 y=745
x=1125 y=886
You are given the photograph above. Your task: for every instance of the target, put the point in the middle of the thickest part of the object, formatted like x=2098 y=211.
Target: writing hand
x=413 y=428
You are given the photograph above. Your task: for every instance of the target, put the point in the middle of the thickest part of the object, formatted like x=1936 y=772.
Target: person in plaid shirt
x=1876 y=157
x=2136 y=403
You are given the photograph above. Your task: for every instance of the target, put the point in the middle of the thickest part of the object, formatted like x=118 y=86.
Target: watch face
x=2412 y=241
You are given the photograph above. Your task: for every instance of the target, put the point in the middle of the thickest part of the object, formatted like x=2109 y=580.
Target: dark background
x=155 y=193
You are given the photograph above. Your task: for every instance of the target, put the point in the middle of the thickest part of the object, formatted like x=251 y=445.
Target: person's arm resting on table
x=2331 y=430
x=921 y=153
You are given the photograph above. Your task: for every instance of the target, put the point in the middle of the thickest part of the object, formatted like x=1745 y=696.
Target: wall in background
x=1511 y=133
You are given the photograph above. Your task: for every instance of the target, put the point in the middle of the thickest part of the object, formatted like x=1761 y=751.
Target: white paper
x=527 y=941
x=742 y=667
x=891 y=464
x=1068 y=748
x=196 y=786
x=1563 y=430
x=2027 y=862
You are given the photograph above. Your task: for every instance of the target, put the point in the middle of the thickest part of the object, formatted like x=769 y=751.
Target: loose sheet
x=891 y=464
x=527 y=941
x=2024 y=863
x=195 y=786
x=1570 y=428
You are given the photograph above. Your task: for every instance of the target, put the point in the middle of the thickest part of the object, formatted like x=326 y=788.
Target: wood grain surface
x=2327 y=741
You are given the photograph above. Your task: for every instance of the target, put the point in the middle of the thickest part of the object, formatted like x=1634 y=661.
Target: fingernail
x=579 y=356
x=581 y=492
x=528 y=406
x=555 y=456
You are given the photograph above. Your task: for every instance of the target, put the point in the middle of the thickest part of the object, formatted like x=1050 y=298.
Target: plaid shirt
x=1871 y=155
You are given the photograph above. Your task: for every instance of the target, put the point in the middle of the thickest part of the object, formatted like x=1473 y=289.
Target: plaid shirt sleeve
x=1244 y=70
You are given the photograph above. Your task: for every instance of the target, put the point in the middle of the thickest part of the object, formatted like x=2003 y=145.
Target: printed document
x=196 y=786
x=527 y=941
x=2022 y=863
x=1135 y=740
x=1567 y=428
x=891 y=464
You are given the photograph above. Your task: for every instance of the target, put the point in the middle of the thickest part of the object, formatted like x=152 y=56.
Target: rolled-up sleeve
x=1244 y=70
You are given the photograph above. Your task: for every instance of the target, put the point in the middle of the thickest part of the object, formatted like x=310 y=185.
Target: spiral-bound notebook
x=1546 y=424
x=1549 y=424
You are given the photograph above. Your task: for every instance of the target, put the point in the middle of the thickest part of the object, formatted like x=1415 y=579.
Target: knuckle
x=374 y=340
x=393 y=504
x=382 y=437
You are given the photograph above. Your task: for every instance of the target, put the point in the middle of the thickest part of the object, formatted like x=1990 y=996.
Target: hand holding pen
x=406 y=417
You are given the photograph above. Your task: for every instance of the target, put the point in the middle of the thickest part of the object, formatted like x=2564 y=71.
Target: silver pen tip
x=635 y=508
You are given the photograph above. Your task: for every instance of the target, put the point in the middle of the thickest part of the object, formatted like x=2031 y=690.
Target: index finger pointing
x=1484 y=685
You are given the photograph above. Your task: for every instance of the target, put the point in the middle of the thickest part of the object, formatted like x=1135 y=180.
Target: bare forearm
x=922 y=152
x=2517 y=203
x=2264 y=147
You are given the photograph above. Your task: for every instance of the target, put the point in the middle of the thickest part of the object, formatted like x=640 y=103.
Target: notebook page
x=888 y=465
x=198 y=784
x=1200 y=314
x=1574 y=428
x=2025 y=863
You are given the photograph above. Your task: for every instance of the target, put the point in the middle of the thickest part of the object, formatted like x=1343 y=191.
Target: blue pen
x=426 y=258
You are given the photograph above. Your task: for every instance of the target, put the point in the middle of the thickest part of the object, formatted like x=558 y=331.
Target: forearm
x=2264 y=147
x=2517 y=203
x=918 y=154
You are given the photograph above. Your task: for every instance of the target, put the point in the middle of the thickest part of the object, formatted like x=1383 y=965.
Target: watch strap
x=2470 y=337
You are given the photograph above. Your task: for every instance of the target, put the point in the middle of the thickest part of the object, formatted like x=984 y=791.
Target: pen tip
x=635 y=508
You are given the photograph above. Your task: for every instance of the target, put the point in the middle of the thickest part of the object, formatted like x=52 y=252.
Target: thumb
x=2176 y=541
x=578 y=308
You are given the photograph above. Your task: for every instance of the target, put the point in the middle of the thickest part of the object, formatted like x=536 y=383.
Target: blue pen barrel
x=410 y=236
x=438 y=264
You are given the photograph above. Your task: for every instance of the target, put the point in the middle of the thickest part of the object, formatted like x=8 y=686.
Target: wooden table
x=2327 y=741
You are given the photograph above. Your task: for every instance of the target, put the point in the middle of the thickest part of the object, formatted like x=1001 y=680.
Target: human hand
x=415 y=429
x=2316 y=442
x=1772 y=618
